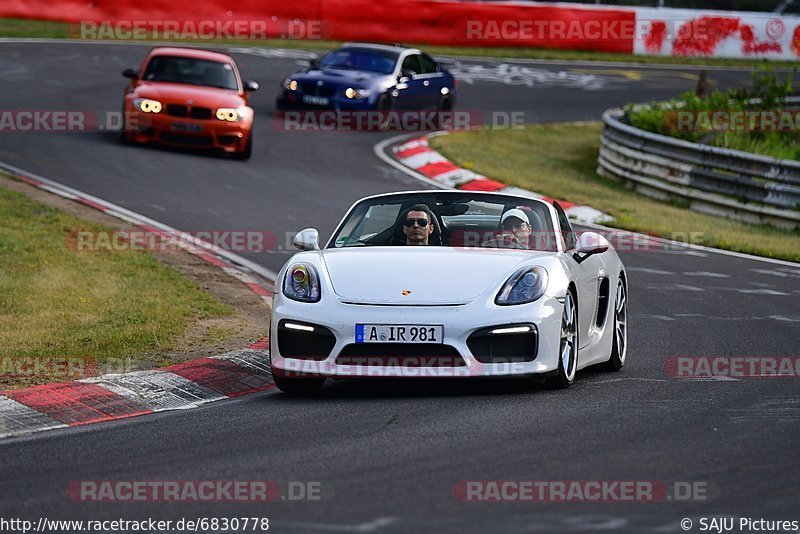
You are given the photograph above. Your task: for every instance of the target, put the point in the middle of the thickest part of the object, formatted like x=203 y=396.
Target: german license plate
x=399 y=333
x=187 y=127
x=315 y=100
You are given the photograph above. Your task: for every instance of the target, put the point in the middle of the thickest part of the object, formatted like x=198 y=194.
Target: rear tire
x=619 y=348
x=568 y=345
x=299 y=385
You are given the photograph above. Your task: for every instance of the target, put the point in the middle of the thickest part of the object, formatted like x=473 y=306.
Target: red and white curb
x=416 y=154
x=118 y=396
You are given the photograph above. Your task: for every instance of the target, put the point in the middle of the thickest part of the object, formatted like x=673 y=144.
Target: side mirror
x=250 y=85
x=311 y=63
x=133 y=74
x=408 y=73
x=307 y=239
x=590 y=243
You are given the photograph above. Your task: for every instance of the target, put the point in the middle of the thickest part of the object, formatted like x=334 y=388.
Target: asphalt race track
x=387 y=455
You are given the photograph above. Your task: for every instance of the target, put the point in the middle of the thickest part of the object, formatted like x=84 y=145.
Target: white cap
x=518 y=213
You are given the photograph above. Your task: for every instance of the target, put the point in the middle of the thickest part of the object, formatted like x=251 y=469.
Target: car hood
x=339 y=76
x=430 y=275
x=181 y=93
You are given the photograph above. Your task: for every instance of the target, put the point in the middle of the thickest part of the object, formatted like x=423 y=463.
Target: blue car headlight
x=301 y=282
x=524 y=286
x=357 y=94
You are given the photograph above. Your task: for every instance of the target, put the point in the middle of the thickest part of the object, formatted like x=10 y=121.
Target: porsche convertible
x=448 y=284
x=188 y=97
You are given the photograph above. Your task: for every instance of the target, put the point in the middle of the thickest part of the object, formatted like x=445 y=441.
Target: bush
x=769 y=92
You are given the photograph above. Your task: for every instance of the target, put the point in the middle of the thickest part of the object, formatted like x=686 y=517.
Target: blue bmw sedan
x=362 y=76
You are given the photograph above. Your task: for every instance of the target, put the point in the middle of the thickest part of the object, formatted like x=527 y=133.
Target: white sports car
x=500 y=286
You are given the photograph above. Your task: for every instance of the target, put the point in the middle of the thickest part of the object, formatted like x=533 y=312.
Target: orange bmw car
x=189 y=98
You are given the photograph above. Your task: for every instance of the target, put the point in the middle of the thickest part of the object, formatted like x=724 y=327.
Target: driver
x=417 y=225
x=515 y=228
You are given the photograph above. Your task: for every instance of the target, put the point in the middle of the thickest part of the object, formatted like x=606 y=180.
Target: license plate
x=187 y=127
x=399 y=333
x=315 y=100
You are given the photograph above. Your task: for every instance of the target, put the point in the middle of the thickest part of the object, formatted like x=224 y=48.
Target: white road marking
x=678 y=287
x=706 y=273
x=369 y=526
x=650 y=271
x=508 y=74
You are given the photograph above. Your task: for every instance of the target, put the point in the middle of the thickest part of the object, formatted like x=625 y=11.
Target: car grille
x=179 y=110
x=400 y=355
x=302 y=345
x=311 y=88
x=503 y=348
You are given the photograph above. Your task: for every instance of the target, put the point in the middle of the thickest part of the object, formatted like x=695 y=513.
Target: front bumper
x=452 y=358
x=293 y=101
x=187 y=132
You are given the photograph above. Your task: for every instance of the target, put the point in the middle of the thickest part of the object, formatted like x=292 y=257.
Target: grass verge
x=560 y=160
x=23 y=28
x=98 y=307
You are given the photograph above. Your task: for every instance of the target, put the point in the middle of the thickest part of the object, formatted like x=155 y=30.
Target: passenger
x=515 y=229
x=417 y=225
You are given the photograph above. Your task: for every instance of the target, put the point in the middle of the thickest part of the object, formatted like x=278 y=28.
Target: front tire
x=383 y=106
x=245 y=153
x=568 y=345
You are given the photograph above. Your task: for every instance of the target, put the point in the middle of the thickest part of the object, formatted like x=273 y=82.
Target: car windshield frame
x=155 y=71
x=360 y=58
x=472 y=228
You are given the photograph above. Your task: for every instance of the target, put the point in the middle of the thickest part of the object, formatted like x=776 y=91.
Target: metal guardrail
x=732 y=183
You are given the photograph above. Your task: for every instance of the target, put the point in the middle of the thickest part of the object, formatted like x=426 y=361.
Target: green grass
x=560 y=161
x=60 y=30
x=104 y=306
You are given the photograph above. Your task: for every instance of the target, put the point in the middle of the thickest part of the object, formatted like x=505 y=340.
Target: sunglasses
x=421 y=222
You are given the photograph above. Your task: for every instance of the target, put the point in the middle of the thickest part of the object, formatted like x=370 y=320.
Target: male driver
x=417 y=225
x=515 y=228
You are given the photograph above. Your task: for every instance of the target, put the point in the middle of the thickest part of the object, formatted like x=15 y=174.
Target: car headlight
x=228 y=114
x=290 y=84
x=357 y=93
x=524 y=286
x=147 y=105
x=301 y=283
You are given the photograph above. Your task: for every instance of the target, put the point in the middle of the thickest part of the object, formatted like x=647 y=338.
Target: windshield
x=360 y=59
x=191 y=71
x=459 y=220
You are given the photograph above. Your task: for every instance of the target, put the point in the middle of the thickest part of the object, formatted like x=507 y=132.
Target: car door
x=433 y=80
x=589 y=273
x=410 y=88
